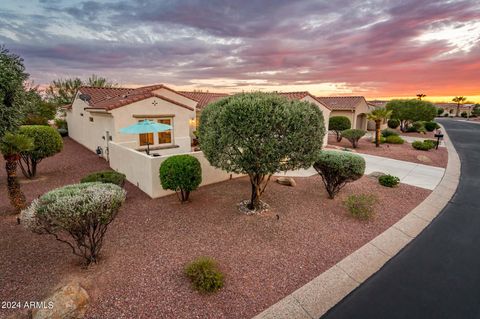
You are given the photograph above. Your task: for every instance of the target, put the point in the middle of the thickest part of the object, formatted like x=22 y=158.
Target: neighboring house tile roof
x=301 y=95
x=112 y=98
x=338 y=103
x=204 y=98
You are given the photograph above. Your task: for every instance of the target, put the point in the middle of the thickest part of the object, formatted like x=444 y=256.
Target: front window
x=165 y=137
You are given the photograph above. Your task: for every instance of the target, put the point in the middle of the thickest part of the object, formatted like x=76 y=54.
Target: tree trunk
x=17 y=198
x=256 y=180
x=458 y=110
x=377 y=133
x=339 y=136
x=28 y=166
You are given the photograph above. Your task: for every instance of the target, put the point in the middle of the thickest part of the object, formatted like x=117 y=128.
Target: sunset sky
x=375 y=48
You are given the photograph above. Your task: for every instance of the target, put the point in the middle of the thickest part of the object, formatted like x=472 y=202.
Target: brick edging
x=325 y=291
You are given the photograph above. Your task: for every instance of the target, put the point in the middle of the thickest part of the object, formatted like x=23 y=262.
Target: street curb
x=322 y=293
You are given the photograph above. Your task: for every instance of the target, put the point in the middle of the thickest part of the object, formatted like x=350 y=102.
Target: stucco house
x=353 y=107
x=97 y=114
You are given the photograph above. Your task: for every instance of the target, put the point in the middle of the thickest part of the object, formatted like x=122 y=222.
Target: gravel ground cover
x=264 y=257
x=404 y=152
x=416 y=134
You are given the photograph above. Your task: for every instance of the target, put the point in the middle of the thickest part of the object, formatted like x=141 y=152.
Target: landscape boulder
x=288 y=181
x=69 y=302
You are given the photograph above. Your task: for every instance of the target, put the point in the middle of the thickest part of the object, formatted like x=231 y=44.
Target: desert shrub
x=105 y=177
x=353 y=135
x=33 y=119
x=463 y=114
x=77 y=215
x=422 y=146
x=389 y=180
x=394 y=139
x=419 y=126
x=339 y=124
x=387 y=133
x=446 y=115
x=440 y=111
x=204 y=275
x=338 y=168
x=182 y=174
x=393 y=123
x=361 y=206
x=431 y=126
x=46 y=142
x=381 y=140
x=430 y=143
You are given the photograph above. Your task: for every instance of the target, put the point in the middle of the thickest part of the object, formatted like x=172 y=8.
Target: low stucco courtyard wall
x=142 y=170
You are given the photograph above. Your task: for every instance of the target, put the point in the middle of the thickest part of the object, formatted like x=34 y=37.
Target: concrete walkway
x=419 y=175
x=437 y=275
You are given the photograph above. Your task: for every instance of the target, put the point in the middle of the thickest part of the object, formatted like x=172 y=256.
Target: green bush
x=339 y=124
x=46 y=142
x=338 y=168
x=204 y=275
x=182 y=174
x=77 y=215
x=389 y=180
x=422 y=146
x=431 y=143
x=361 y=206
x=105 y=177
x=464 y=114
x=419 y=126
x=446 y=115
x=353 y=135
x=382 y=139
x=394 y=139
x=387 y=133
x=431 y=126
x=393 y=123
x=440 y=111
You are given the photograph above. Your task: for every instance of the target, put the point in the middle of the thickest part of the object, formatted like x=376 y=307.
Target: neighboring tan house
x=353 y=107
x=97 y=114
x=203 y=99
x=451 y=108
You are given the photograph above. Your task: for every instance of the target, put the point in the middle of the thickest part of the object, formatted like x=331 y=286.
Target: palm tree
x=421 y=96
x=379 y=116
x=459 y=100
x=10 y=146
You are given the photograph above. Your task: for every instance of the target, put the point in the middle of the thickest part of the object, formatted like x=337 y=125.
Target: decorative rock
x=424 y=158
x=288 y=181
x=243 y=208
x=376 y=174
x=68 y=302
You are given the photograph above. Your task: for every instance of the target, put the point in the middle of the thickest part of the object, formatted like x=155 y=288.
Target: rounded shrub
x=387 y=133
x=182 y=174
x=77 y=215
x=431 y=126
x=393 y=123
x=105 y=177
x=394 y=139
x=353 y=135
x=381 y=140
x=361 y=206
x=204 y=275
x=440 y=111
x=418 y=126
x=419 y=145
x=46 y=142
x=463 y=114
x=339 y=124
x=389 y=180
x=338 y=168
x=430 y=143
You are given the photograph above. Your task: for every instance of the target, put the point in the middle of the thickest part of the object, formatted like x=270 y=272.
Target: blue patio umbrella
x=146 y=126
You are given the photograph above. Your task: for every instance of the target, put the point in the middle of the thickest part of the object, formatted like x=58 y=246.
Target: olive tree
x=46 y=142
x=409 y=111
x=77 y=215
x=338 y=124
x=260 y=134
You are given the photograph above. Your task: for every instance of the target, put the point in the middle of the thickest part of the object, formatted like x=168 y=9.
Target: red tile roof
x=204 y=98
x=112 y=98
x=342 y=102
x=301 y=95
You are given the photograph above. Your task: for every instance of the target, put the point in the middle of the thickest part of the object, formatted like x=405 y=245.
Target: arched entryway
x=361 y=121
